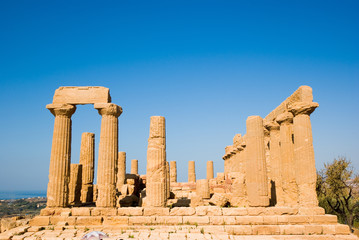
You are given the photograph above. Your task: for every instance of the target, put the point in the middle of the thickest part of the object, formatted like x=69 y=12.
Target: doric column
x=173 y=171
x=168 y=180
x=156 y=194
x=107 y=155
x=134 y=166
x=275 y=160
x=290 y=189
x=210 y=174
x=256 y=172
x=75 y=183
x=121 y=170
x=304 y=153
x=87 y=160
x=59 y=173
x=202 y=188
x=191 y=171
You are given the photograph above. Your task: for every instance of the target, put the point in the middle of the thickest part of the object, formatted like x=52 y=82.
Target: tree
x=337 y=189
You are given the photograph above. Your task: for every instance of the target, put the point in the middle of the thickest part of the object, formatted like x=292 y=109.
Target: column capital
x=271 y=125
x=108 y=109
x=58 y=109
x=286 y=117
x=298 y=108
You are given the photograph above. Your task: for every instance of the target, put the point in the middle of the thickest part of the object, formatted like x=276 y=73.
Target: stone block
x=82 y=95
x=88 y=221
x=195 y=220
x=40 y=221
x=234 y=211
x=329 y=229
x=47 y=212
x=325 y=219
x=342 y=229
x=219 y=190
x=172 y=220
x=182 y=211
x=292 y=229
x=249 y=220
x=222 y=220
x=298 y=219
x=142 y=220
x=219 y=199
x=208 y=211
x=98 y=211
x=313 y=229
x=130 y=211
x=282 y=219
x=280 y=211
x=81 y=211
x=270 y=220
x=115 y=220
x=311 y=211
x=55 y=219
x=154 y=211
x=256 y=211
x=265 y=230
x=239 y=230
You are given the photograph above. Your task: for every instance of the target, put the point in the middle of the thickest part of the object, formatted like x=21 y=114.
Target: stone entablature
x=82 y=95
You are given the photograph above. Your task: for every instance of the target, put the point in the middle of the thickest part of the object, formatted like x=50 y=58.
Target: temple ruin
x=267 y=187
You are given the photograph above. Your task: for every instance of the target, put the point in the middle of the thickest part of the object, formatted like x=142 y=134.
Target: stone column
x=156 y=195
x=191 y=172
x=202 y=188
x=87 y=160
x=210 y=174
x=75 y=184
x=256 y=172
x=168 y=180
x=173 y=171
x=304 y=153
x=134 y=166
x=108 y=151
x=59 y=173
x=121 y=170
x=275 y=160
x=290 y=189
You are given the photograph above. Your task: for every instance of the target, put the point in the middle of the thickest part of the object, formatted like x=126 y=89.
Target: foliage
x=21 y=207
x=338 y=191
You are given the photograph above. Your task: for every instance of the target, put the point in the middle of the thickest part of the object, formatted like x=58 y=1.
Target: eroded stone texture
x=59 y=173
x=75 y=184
x=210 y=173
x=191 y=171
x=107 y=157
x=173 y=171
x=156 y=195
x=168 y=180
x=256 y=172
x=304 y=153
x=87 y=160
x=290 y=189
x=202 y=188
x=121 y=170
x=82 y=95
x=134 y=166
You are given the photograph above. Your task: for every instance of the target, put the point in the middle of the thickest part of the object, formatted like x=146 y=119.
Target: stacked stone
x=173 y=171
x=156 y=194
x=121 y=170
x=191 y=172
x=75 y=184
x=134 y=166
x=289 y=184
x=304 y=153
x=59 y=173
x=87 y=160
x=108 y=153
x=202 y=188
x=210 y=174
x=256 y=172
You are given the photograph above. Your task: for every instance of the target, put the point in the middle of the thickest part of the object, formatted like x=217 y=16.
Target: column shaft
x=75 y=184
x=121 y=170
x=210 y=173
x=87 y=160
x=191 y=171
x=134 y=166
x=173 y=171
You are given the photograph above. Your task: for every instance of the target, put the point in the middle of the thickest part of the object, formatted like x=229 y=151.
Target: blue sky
x=204 y=65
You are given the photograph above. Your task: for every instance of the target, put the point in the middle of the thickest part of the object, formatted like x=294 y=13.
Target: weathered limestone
x=290 y=189
x=82 y=95
x=168 y=180
x=210 y=173
x=156 y=194
x=108 y=151
x=304 y=153
x=276 y=165
x=191 y=171
x=87 y=160
x=75 y=184
x=59 y=173
x=256 y=172
x=202 y=188
x=173 y=171
x=134 y=166
x=121 y=170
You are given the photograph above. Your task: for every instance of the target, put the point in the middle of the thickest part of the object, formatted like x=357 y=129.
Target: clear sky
x=204 y=65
